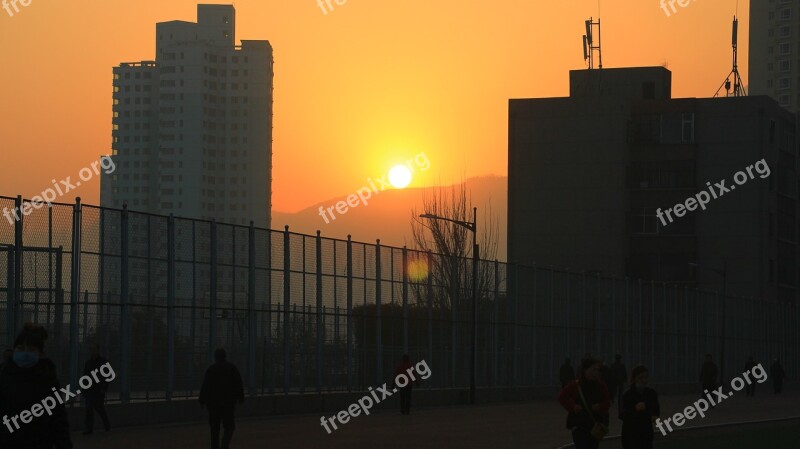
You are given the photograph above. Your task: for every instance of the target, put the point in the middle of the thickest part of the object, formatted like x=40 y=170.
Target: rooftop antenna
x=589 y=47
x=738 y=84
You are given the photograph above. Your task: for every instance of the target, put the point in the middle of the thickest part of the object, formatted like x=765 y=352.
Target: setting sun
x=399 y=176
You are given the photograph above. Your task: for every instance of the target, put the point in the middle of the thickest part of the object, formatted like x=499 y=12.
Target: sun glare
x=399 y=176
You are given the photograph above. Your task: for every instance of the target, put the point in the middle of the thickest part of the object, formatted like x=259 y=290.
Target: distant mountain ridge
x=387 y=216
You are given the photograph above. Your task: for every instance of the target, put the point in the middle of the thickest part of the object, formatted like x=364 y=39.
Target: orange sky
x=370 y=84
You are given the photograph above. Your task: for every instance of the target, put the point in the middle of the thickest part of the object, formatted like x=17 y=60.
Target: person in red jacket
x=595 y=395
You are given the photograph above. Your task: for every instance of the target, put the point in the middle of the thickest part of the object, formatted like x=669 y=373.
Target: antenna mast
x=589 y=48
x=738 y=84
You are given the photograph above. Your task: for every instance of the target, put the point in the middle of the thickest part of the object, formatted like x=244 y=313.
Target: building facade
x=192 y=129
x=774 y=67
x=592 y=175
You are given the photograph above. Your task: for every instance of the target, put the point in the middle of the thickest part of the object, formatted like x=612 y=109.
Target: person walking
x=777 y=374
x=640 y=408
x=750 y=389
x=586 y=400
x=407 y=369
x=95 y=395
x=708 y=376
x=566 y=373
x=30 y=378
x=222 y=388
x=619 y=377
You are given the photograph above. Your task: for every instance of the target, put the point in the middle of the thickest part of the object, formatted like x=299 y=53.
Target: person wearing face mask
x=25 y=381
x=640 y=408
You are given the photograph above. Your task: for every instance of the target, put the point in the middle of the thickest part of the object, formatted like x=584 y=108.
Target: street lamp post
x=724 y=273
x=472 y=226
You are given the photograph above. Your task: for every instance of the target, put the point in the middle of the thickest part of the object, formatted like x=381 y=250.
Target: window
x=644 y=221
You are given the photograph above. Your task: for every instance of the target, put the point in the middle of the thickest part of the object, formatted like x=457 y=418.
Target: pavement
x=529 y=425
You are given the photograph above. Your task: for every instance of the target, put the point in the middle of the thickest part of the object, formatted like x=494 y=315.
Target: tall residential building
x=192 y=130
x=588 y=173
x=774 y=67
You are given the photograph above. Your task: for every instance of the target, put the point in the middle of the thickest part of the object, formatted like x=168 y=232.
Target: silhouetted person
x=708 y=376
x=605 y=373
x=566 y=373
x=777 y=374
x=222 y=388
x=95 y=395
x=619 y=377
x=30 y=378
x=640 y=408
x=405 y=392
x=587 y=401
x=750 y=389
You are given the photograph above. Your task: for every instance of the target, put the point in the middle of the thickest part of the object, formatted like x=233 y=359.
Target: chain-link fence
x=304 y=313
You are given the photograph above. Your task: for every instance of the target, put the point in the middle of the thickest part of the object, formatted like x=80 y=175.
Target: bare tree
x=451 y=244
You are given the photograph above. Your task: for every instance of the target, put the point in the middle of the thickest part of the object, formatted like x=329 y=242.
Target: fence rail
x=305 y=313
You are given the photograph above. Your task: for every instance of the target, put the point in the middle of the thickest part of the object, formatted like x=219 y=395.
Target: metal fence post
x=378 y=328
x=320 y=329
x=287 y=359
x=405 y=300
x=10 y=273
x=75 y=289
x=614 y=317
x=453 y=318
x=212 y=313
x=429 y=294
x=101 y=296
x=16 y=301
x=251 y=309
x=349 y=313
x=125 y=311
x=170 y=306
x=653 y=324
x=495 y=325
x=269 y=354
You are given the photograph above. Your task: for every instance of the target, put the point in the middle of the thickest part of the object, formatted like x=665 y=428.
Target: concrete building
x=774 y=67
x=588 y=173
x=192 y=130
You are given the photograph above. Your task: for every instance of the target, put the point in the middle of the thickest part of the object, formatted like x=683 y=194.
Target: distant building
x=192 y=130
x=587 y=174
x=774 y=67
